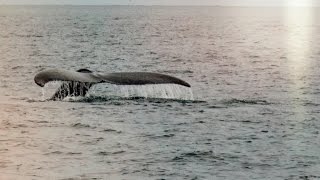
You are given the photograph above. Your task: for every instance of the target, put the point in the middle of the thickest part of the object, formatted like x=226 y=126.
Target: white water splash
x=43 y=98
x=166 y=91
x=50 y=88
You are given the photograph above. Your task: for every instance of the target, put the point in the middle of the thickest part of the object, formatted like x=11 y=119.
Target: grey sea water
x=255 y=80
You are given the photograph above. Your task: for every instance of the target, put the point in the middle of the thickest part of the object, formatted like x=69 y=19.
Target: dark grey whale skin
x=78 y=83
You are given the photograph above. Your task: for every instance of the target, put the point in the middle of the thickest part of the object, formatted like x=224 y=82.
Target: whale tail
x=78 y=83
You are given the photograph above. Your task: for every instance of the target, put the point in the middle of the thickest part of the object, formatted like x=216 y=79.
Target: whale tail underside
x=73 y=89
x=78 y=83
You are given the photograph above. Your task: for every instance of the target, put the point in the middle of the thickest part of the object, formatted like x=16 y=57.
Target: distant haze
x=171 y=2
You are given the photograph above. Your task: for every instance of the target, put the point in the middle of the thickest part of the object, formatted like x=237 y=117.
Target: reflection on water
x=300 y=22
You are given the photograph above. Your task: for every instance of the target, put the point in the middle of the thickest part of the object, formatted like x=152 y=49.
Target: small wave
x=197 y=154
x=178 y=71
x=160 y=136
x=17 y=67
x=116 y=100
x=216 y=107
x=79 y=125
x=60 y=152
x=104 y=153
x=311 y=104
x=74 y=153
x=246 y=101
x=254 y=56
x=34 y=100
x=108 y=130
x=53 y=153
x=305 y=177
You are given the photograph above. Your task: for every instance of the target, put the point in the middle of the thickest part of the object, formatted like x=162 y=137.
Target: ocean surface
x=254 y=114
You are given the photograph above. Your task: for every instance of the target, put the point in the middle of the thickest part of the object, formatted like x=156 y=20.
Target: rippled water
x=255 y=80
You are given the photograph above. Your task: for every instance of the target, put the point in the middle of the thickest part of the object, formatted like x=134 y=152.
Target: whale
x=78 y=83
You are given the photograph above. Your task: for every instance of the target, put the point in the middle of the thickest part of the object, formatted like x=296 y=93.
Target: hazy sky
x=171 y=2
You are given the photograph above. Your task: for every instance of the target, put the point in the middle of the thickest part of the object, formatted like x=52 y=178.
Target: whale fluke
x=140 y=78
x=78 y=83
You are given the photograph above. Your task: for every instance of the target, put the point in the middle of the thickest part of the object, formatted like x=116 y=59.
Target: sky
x=172 y=2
